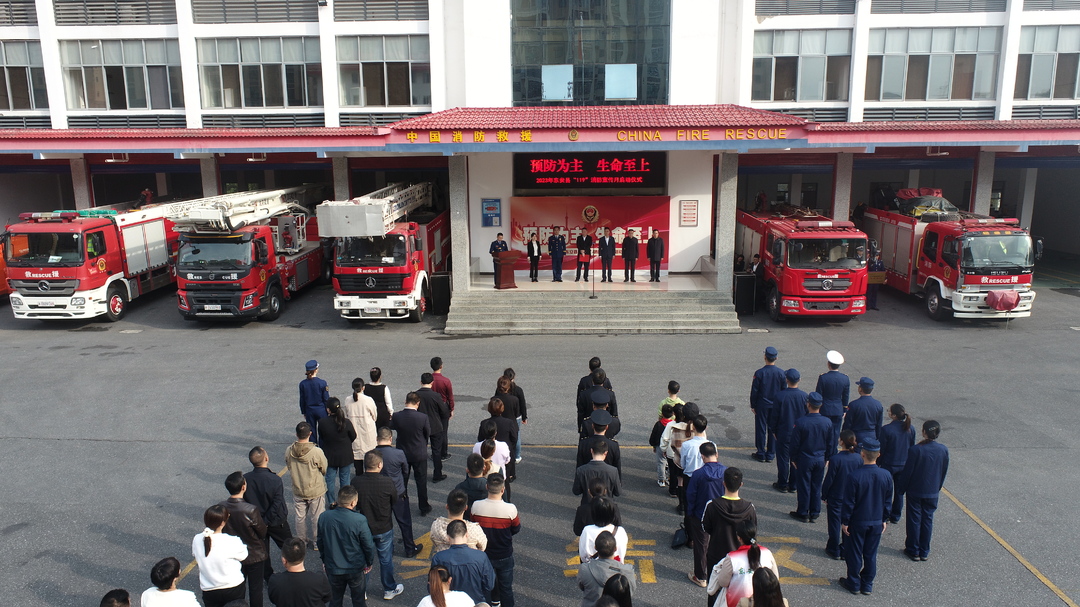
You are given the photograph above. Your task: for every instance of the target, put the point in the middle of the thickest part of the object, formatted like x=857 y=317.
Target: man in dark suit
x=396 y=466
x=758 y=270
x=600 y=420
x=498 y=246
x=596 y=392
x=654 y=250
x=584 y=255
x=413 y=432
x=601 y=399
x=533 y=250
x=434 y=406
x=606 y=249
x=596 y=468
x=556 y=249
x=629 y=255
x=586 y=382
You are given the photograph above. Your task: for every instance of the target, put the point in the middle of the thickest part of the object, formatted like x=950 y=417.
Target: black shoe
x=626 y=280
x=791 y=489
x=779 y=487
x=586 y=279
x=446 y=457
x=910 y=556
x=441 y=477
x=411 y=553
x=795 y=515
x=813 y=519
x=844 y=584
x=757 y=457
x=425 y=511
x=632 y=280
x=868 y=592
x=894 y=520
x=768 y=460
x=835 y=557
x=924 y=558
x=577 y=280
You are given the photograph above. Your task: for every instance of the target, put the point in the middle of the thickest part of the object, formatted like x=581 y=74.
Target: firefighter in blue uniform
x=865 y=414
x=834 y=387
x=863 y=516
x=768 y=382
x=498 y=246
x=837 y=473
x=809 y=440
x=790 y=406
x=556 y=249
x=922 y=479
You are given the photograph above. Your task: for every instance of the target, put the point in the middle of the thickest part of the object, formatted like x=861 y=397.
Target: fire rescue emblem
x=101 y=265
x=262 y=275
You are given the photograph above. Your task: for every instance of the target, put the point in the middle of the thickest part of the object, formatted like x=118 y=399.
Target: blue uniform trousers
x=897 y=500
x=809 y=476
x=835 y=546
x=312 y=415
x=556 y=267
x=783 y=461
x=860 y=552
x=837 y=421
x=920 y=525
x=763 y=439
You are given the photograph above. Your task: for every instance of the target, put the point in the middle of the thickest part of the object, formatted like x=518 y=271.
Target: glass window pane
x=1065 y=77
x=312 y=52
x=620 y=81
x=1069 y=39
x=69 y=52
x=374 y=86
x=557 y=82
x=419 y=48
x=207 y=50
x=421 y=84
x=967 y=39
x=1023 y=77
x=963 y=76
x=20 y=88
x=37 y=85
x=348 y=49
x=896 y=41
x=172 y=52
x=136 y=87
x=133 y=52
x=838 y=42
x=985 y=76
x=228 y=51
x=989 y=39
x=270 y=50
x=397 y=48
x=811 y=78
x=371 y=48
x=158 y=78
x=398 y=81
x=812 y=42
x=762 y=43
x=91 y=53
x=1042 y=76
x=230 y=86
x=872 y=91
x=785 y=78
x=892 y=77
x=113 y=51
x=155 y=52
x=940 y=80
x=314 y=85
x=5 y=102
x=114 y=82
x=33 y=49
x=1027 y=39
x=294 y=85
x=877 y=42
x=837 y=78
x=253 y=86
x=918 y=67
x=786 y=42
x=919 y=40
x=1046 y=38
x=555 y=49
x=249 y=50
x=73 y=87
x=211 y=86
x=292 y=49
x=761 y=81
x=273 y=88
x=943 y=40
x=176 y=86
x=349 y=85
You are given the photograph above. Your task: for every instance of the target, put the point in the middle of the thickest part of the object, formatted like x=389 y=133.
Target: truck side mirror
x=418 y=244
x=262 y=252
x=1038 y=248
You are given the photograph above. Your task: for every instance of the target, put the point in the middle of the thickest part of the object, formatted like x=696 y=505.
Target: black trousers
x=253 y=577
x=654 y=270
x=582 y=266
x=419 y=471
x=224 y=596
x=404 y=521
x=279 y=533
x=629 y=268
x=534 y=268
x=605 y=268
x=438 y=450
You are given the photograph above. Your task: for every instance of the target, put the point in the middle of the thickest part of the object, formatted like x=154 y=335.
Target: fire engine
x=242 y=254
x=974 y=265
x=88 y=263
x=382 y=266
x=5 y=288
x=813 y=266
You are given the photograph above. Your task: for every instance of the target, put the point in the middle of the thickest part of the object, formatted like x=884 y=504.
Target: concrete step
x=533 y=329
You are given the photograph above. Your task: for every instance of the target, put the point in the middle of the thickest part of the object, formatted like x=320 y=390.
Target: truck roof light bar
x=824 y=224
x=974 y=222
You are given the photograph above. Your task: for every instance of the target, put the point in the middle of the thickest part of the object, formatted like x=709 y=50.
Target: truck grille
x=51 y=287
x=201 y=299
x=825 y=305
x=370 y=282
x=818 y=284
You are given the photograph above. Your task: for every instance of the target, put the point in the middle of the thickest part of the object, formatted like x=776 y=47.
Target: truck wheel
x=115 y=303
x=327 y=275
x=935 y=308
x=417 y=315
x=772 y=302
x=273 y=305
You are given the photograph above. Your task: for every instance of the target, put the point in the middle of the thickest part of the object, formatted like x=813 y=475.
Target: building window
x=806 y=65
x=1047 y=65
x=114 y=12
x=771 y=8
x=18 y=12
x=576 y=52
x=932 y=63
x=936 y=6
x=380 y=10
x=260 y=72
x=23 y=87
x=122 y=74
x=380 y=71
x=254 y=11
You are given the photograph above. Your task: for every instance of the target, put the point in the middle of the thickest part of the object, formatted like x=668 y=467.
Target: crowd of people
x=350 y=483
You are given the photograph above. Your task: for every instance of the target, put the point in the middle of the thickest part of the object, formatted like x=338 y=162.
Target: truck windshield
x=38 y=249
x=1010 y=250
x=827 y=253
x=214 y=255
x=385 y=251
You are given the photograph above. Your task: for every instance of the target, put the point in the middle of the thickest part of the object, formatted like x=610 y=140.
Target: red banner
x=588 y=214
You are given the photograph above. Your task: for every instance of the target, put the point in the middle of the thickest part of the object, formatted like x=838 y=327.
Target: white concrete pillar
x=161 y=185
x=459 y=223
x=189 y=70
x=328 y=54
x=341 y=178
x=208 y=168
x=860 y=46
x=1026 y=204
x=50 y=61
x=727 y=202
x=912 y=178
x=841 y=206
x=982 y=182
x=795 y=190
x=80 y=183
x=1010 y=54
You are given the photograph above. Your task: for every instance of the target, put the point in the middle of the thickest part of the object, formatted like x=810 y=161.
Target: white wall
x=695 y=52
x=486 y=45
x=490 y=176
x=690 y=177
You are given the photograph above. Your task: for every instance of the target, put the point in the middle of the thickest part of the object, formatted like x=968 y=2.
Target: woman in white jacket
x=732 y=578
x=218 y=555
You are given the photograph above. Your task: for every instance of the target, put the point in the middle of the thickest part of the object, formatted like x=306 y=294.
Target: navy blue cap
x=792 y=375
x=600 y=417
x=870 y=444
x=311 y=365
x=815 y=398
x=771 y=352
x=866 y=382
x=600 y=397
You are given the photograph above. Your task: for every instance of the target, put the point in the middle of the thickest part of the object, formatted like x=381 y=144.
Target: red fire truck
x=813 y=266
x=5 y=288
x=242 y=254
x=382 y=265
x=956 y=260
x=83 y=264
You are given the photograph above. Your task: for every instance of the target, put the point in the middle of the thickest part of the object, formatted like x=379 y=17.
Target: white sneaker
x=517 y=461
x=392 y=593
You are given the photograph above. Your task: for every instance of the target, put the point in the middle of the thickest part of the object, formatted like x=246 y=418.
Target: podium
x=504 y=268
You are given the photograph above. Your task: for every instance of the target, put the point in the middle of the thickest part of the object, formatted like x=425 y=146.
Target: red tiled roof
x=185 y=133
x=946 y=125
x=597 y=117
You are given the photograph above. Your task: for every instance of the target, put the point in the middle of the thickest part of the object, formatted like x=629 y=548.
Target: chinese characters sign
x=590 y=171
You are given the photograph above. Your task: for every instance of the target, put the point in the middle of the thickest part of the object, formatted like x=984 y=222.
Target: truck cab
x=381 y=276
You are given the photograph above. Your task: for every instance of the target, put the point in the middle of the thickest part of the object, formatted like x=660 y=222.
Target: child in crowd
x=672 y=397
x=667 y=415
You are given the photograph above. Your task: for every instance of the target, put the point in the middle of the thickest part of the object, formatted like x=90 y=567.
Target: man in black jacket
x=654 y=250
x=246 y=523
x=376 y=497
x=266 y=492
x=600 y=420
x=434 y=406
x=584 y=255
x=606 y=249
x=629 y=254
x=396 y=466
x=413 y=432
x=589 y=396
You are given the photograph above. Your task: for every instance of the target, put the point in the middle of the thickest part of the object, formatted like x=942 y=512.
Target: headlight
x=858 y=303
x=78 y=301
x=790 y=303
x=345 y=303
x=971 y=298
x=401 y=303
x=16 y=301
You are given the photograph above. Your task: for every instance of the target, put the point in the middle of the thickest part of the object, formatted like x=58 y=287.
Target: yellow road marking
x=408 y=575
x=647 y=572
x=185 y=571
x=780 y=540
x=574 y=560
x=640 y=553
x=633 y=542
x=414 y=563
x=569 y=572
x=572 y=546
x=1023 y=561
x=811 y=581
x=783 y=559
